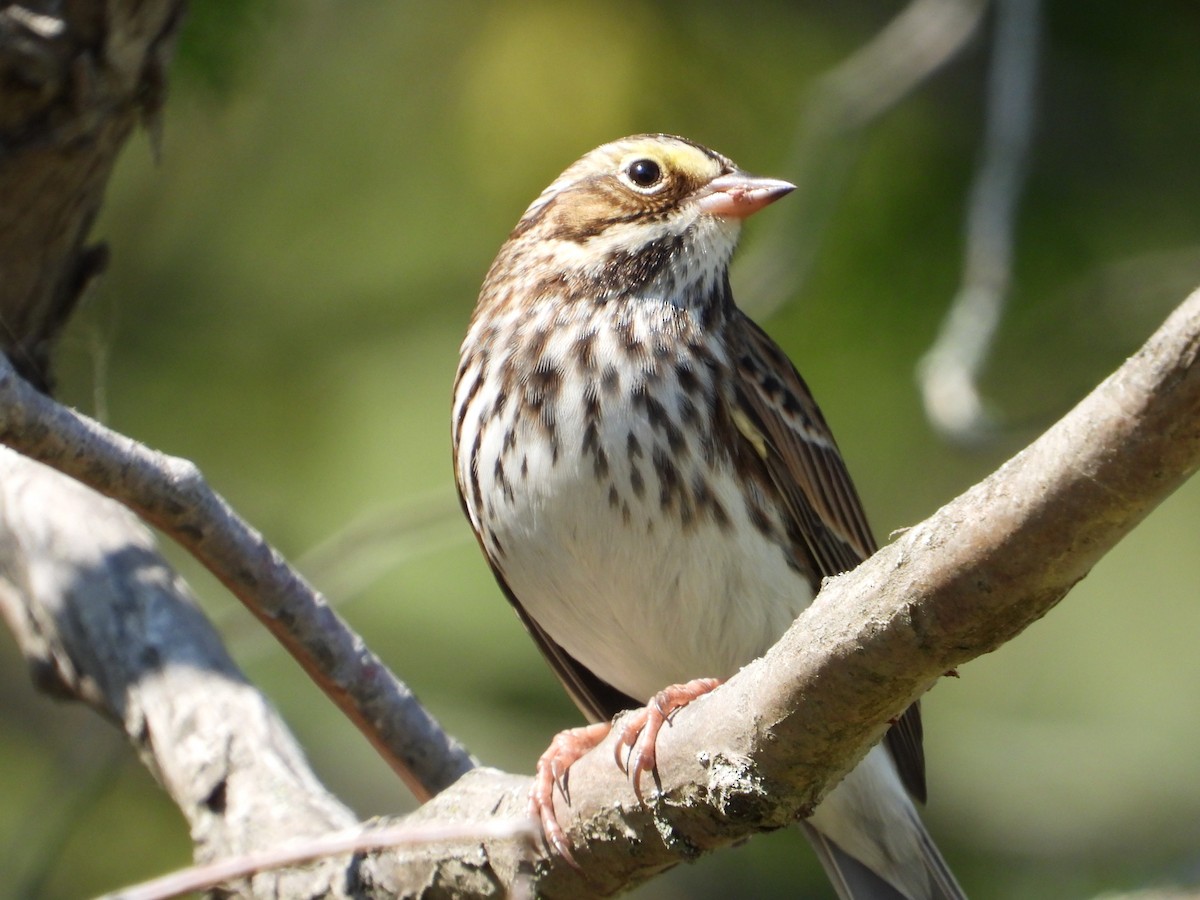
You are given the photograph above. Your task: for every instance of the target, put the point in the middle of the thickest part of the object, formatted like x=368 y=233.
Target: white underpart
x=642 y=604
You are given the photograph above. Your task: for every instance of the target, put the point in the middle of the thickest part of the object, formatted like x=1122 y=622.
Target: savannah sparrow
x=652 y=483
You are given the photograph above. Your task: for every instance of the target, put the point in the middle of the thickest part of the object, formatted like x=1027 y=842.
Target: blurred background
x=291 y=280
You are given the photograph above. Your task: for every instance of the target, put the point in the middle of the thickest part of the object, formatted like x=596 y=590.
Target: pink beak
x=737 y=195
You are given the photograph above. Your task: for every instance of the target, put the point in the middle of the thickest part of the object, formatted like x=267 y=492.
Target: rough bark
x=76 y=78
x=101 y=617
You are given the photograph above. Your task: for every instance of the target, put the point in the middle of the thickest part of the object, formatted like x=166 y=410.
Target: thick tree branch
x=101 y=617
x=768 y=744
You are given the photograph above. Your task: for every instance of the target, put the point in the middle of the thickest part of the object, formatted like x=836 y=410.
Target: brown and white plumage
x=648 y=475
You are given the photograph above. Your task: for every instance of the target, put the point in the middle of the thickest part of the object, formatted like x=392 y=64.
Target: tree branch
x=171 y=494
x=765 y=747
x=769 y=743
x=77 y=77
x=100 y=616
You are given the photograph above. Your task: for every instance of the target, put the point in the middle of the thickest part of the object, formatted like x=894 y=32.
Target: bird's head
x=648 y=212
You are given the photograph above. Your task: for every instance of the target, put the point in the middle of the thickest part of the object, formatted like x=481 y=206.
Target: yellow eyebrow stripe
x=682 y=160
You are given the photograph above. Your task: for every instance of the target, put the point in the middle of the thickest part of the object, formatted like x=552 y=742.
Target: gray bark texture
x=101 y=617
x=77 y=77
x=97 y=613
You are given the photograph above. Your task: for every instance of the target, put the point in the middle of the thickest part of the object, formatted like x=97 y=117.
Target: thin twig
x=362 y=550
x=171 y=494
x=843 y=102
x=358 y=840
x=948 y=373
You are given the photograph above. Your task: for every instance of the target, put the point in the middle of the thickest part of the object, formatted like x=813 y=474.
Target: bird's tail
x=853 y=880
x=871 y=841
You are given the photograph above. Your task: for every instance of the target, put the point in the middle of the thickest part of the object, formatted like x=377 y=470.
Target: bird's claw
x=637 y=738
x=639 y=730
x=553 y=770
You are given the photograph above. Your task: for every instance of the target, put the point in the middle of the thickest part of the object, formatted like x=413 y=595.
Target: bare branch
x=171 y=494
x=918 y=41
x=100 y=616
x=764 y=747
x=949 y=371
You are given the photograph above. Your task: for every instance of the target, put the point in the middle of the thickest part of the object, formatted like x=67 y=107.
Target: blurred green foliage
x=291 y=282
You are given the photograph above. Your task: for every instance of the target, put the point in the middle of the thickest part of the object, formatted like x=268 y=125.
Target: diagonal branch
x=768 y=744
x=100 y=616
x=171 y=494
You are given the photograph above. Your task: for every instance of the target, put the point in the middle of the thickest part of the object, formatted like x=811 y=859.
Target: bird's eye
x=644 y=173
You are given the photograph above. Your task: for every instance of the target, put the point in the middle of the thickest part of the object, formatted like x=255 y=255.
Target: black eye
x=644 y=173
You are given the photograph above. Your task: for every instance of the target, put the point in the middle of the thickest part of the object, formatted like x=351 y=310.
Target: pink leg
x=640 y=728
x=552 y=769
x=639 y=733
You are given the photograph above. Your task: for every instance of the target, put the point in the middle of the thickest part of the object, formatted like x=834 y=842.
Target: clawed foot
x=635 y=754
x=640 y=728
x=552 y=769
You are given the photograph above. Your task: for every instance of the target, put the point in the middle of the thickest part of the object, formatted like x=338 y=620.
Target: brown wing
x=596 y=699
x=778 y=415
